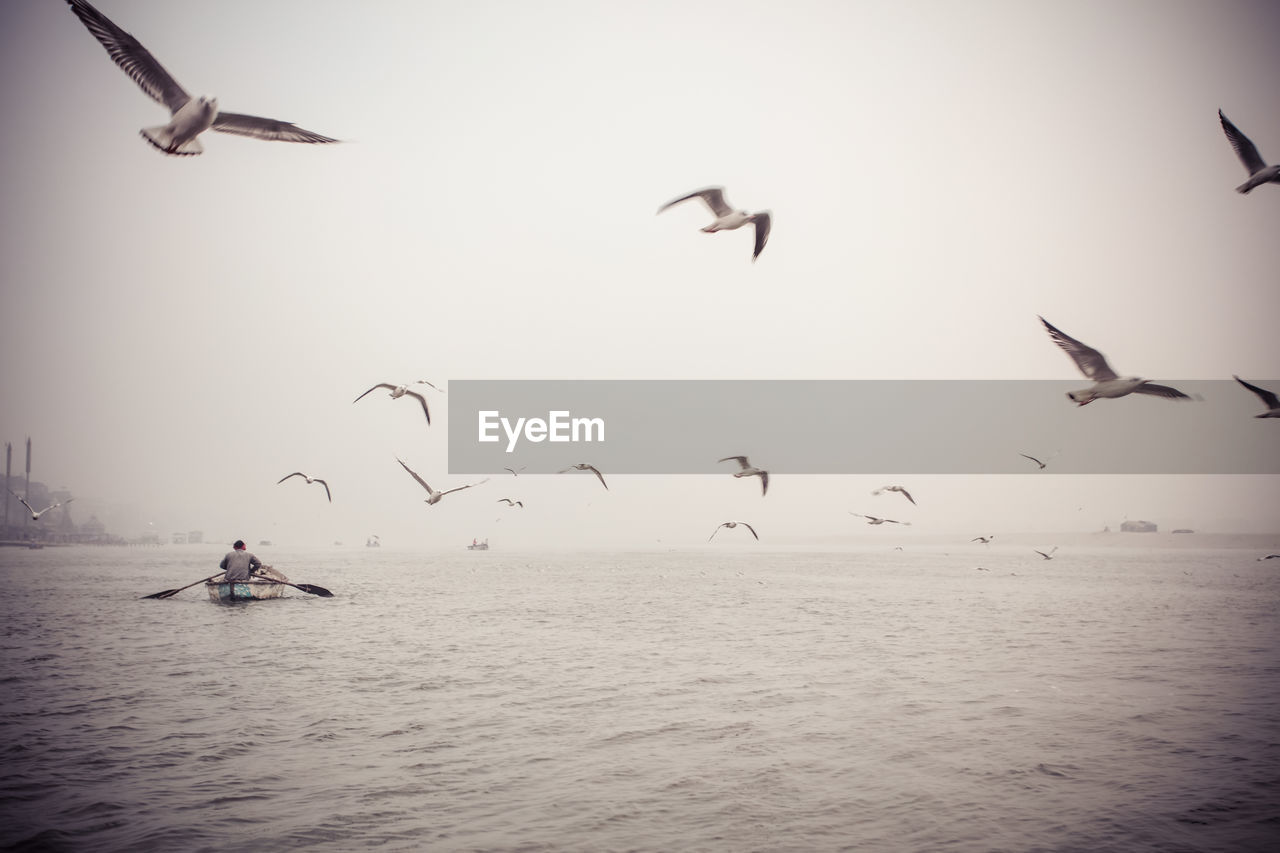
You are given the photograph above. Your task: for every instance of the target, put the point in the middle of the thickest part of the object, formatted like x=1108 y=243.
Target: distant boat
x=253 y=589
x=264 y=542
x=478 y=546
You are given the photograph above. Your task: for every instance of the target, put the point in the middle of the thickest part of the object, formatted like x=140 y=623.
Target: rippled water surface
x=1111 y=699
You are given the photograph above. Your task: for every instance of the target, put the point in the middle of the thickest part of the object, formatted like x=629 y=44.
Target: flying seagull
x=398 y=391
x=899 y=489
x=985 y=540
x=731 y=525
x=36 y=513
x=1259 y=172
x=1048 y=556
x=748 y=470
x=309 y=480
x=871 y=519
x=582 y=466
x=511 y=502
x=1268 y=399
x=189 y=117
x=1106 y=383
x=433 y=496
x=1033 y=459
x=1269 y=557
x=727 y=219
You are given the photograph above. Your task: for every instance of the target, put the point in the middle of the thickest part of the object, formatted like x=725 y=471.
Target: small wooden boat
x=253 y=589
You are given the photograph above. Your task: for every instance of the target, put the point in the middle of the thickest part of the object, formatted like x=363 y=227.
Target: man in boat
x=239 y=564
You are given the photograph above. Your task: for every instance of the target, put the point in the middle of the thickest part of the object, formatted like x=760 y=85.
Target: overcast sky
x=179 y=333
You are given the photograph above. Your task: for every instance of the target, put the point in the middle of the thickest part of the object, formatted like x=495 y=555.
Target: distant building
x=1138 y=527
x=179 y=539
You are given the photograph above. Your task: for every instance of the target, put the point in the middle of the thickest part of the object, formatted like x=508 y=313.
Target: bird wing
x=423 y=401
x=375 y=388
x=132 y=57
x=1269 y=400
x=425 y=382
x=752 y=529
x=717 y=530
x=713 y=196
x=265 y=128
x=764 y=483
x=593 y=469
x=326 y=488
x=414 y=474
x=1245 y=149
x=763 y=222
x=287 y=476
x=1160 y=391
x=460 y=488
x=907 y=495
x=741 y=460
x=1032 y=458
x=29 y=507
x=1091 y=362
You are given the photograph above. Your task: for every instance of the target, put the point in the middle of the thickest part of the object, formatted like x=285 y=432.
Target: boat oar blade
x=314 y=590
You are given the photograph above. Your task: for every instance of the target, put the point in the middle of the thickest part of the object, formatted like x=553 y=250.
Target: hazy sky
x=179 y=333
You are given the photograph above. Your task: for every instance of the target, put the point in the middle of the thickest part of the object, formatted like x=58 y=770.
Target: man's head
x=239 y=546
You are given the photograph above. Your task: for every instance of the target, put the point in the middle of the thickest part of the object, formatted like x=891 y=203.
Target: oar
x=168 y=593
x=305 y=587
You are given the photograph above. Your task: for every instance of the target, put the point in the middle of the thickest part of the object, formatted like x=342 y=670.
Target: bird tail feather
x=162 y=137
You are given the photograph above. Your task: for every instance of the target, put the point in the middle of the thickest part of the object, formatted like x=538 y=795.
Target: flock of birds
x=189 y=117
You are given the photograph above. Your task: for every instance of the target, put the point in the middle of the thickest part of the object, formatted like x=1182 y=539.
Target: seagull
x=1260 y=559
x=1268 y=399
x=727 y=219
x=876 y=520
x=189 y=117
x=582 y=466
x=398 y=391
x=515 y=472
x=750 y=471
x=309 y=480
x=36 y=513
x=1048 y=556
x=985 y=540
x=1259 y=172
x=731 y=525
x=899 y=489
x=511 y=502
x=433 y=496
x=1033 y=459
x=1106 y=383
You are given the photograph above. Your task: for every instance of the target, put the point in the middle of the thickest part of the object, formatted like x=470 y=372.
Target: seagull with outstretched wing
x=1106 y=383
x=1259 y=172
x=188 y=117
x=728 y=219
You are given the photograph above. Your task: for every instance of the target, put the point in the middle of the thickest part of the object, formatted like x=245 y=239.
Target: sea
x=722 y=698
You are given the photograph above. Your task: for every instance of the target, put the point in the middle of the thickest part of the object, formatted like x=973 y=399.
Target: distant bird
x=1260 y=559
x=1270 y=400
x=189 y=117
x=748 y=470
x=871 y=519
x=510 y=502
x=398 y=391
x=309 y=480
x=36 y=513
x=1048 y=556
x=1259 y=172
x=1106 y=383
x=899 y=489
x=433 y=496
x=731 y=525
x=727 y=219
x=582 y=466
x=1034 y=460
x=515 y=472
x=985 y=540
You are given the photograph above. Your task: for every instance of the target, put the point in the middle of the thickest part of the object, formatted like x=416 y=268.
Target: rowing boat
x=253 y=589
